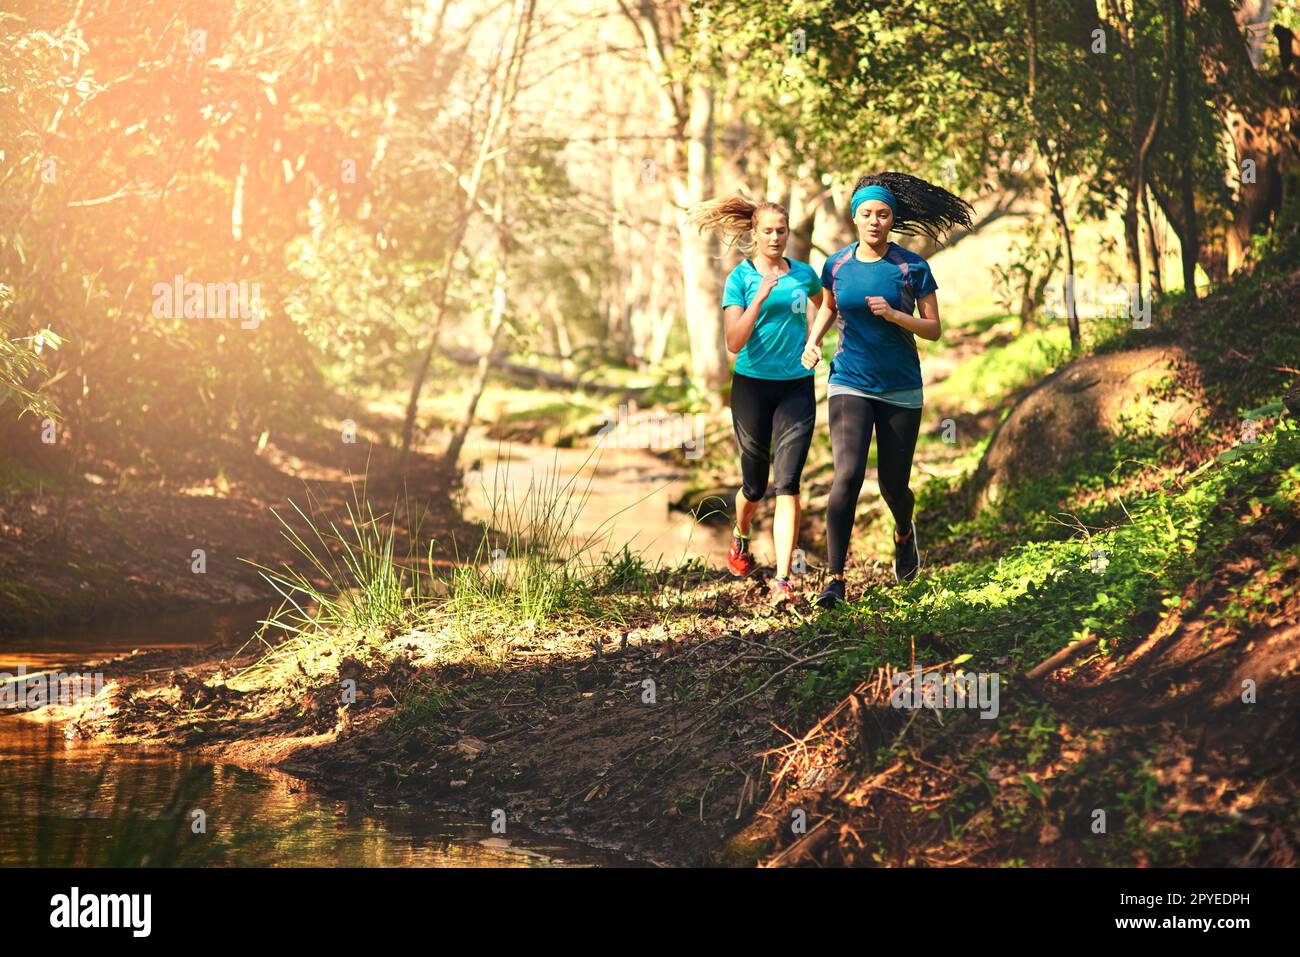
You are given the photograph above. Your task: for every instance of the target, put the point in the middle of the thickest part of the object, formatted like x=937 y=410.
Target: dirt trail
x=566 y=738
x=1185 y=770
x=681 y=735
x=646 y=738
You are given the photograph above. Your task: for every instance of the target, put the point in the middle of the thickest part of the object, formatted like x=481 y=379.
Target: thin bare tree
x=504 y=85
x=522 y=25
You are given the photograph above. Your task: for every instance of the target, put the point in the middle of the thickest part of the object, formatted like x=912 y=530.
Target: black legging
x=768 y=412
x=852 y=418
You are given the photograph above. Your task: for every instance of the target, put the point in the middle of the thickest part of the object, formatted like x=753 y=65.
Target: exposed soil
x=95 y=546
x=1162 y=739
x=564 y=736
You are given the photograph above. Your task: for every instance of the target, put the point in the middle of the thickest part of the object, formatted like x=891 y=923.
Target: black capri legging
x=852 y=419
x=774 y=420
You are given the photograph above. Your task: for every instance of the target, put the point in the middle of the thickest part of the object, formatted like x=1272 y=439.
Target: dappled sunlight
x=747 y=433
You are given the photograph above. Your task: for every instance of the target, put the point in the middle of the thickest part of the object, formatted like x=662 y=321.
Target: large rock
x=1085 y=402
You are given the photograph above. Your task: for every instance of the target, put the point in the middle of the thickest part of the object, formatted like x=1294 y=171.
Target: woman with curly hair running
x=883 y=296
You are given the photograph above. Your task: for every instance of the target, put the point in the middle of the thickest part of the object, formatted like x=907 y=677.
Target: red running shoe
x=739 y=560
x=781 y=592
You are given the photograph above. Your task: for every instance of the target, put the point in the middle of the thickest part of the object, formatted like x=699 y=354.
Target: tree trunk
x=1259 y=114
x=1132 y=237
x=805 y=200
x=1049 y=159
x=1143 y=138
x=1187 y=235
x=830 y=228
x=563 y=339
x=495 y=327
x=1027 y=300
x=523 y=21
x=687 y=104
x=422 y=370
x=1153 y=248
x=501 y=101
x=699 y=251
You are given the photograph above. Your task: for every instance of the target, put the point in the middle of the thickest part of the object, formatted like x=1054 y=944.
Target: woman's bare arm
x=740 y=322
x=926 y=325
x=812 y=353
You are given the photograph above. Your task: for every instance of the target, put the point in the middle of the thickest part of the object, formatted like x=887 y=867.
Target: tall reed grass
x=368 y=578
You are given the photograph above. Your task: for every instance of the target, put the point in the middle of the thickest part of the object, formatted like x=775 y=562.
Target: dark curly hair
x=923 y=208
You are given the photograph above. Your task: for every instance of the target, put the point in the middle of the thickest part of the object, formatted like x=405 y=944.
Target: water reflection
x=71 y=804
x=620 y=496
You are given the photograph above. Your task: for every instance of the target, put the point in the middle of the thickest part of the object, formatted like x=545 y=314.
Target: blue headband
x=873 y=191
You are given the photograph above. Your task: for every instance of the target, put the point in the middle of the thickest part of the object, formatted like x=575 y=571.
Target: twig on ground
x=1060 y=658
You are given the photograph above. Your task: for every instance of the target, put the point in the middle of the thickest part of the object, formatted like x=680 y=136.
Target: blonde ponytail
x=734 y=218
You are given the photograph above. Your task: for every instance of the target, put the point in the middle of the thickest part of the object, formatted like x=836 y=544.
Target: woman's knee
x=787 y=486
x=754 y=488
x=844 y=493
x=897 y=495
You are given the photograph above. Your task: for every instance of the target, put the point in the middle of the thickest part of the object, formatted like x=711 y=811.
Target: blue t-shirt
x=874 y=354
x=775 y=347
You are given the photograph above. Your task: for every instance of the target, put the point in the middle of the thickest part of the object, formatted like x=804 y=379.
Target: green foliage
x=22 y=359
x=364 y=581
x=1029 y=262
x=1002 y=369
x=419 y=704
x=1041 y=772
x=627 y=571
x=1240 y=338
x=313 y=149
x=23 y=606
x=532 y=562
x=1037 y=596
x=351 y=595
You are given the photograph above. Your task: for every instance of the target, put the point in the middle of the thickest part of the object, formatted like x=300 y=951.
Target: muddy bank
x=647 y=737
x=689 y=741
x=691 y=729
x=122 y=806
x=92 y=546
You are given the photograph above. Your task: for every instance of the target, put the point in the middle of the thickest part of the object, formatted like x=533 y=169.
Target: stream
x=606 y=498
x=74 y=804
x=70 y=803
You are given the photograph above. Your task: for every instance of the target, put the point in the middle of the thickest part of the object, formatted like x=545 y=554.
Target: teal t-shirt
x=875 y=355
x=776 y=344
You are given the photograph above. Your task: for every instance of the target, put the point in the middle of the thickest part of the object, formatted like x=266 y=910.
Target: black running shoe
x=831 y=595
x=907 y=557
